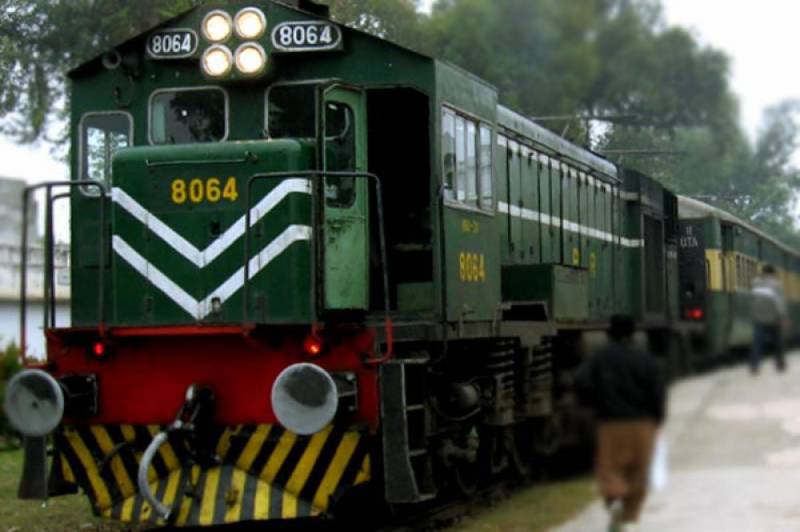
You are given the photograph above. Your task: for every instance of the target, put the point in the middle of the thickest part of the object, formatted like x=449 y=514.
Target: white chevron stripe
x=201 y=259
x=201 y=309
x=155 y=276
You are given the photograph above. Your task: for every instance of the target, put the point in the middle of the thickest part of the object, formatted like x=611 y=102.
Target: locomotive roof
x=507 y=118
x=690 y=208
x=541 y=135
x=311 y=10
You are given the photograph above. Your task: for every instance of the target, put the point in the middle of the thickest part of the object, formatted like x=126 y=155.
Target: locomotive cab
x=208 y=205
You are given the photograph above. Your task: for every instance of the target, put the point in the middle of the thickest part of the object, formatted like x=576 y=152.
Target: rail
x=318 y=225
x=49 y=314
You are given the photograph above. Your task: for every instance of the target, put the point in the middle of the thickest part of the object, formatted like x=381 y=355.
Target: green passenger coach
x=312 y=267
x=720 y=257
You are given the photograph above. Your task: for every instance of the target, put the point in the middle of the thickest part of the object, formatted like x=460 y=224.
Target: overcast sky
x=761 y=37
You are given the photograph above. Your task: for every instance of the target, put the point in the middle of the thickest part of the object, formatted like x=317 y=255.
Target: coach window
x=487 y=193
x=449 y=151
x=461 y=159
x=188 y=116
x=467 y=160
x=470 y=179
x=102 y=135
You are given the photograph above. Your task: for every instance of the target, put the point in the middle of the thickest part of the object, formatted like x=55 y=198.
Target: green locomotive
x=309 y=263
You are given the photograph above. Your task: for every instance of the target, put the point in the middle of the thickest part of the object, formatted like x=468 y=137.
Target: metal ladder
x=407 y=463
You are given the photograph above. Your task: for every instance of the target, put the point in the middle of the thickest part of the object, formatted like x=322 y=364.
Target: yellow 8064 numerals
x=209 y=190
x=472 y=267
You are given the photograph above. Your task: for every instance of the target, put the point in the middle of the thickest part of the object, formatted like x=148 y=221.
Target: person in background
x=626 y=388
x=770 y=318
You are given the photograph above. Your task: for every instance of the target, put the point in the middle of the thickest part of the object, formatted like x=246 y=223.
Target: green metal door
x=346 y=252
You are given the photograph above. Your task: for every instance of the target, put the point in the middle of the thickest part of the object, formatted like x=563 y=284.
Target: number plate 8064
x=172 y=44
x=312 y=36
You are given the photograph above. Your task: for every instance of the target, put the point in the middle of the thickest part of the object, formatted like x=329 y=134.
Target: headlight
x=251 y=59
x=217 y=26
x=217 y=61
x=34 y=403
x=304 y=399
x=250 y=23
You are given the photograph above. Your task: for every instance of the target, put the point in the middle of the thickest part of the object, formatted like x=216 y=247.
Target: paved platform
x=734 y=457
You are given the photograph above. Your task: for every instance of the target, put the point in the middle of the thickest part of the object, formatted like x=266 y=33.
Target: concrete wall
x=10 y=272
x=11 y=212
x=9 y=325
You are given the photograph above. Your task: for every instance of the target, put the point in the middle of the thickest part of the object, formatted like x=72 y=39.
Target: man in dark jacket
x=626 y=388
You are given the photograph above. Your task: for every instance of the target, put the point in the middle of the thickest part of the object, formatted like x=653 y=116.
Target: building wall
x=11 y=212
x=9 y=325
x=10 y=272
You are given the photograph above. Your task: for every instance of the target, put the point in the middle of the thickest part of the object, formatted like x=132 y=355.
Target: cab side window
x=340 y=154
x=467 y=160
x=102 y=135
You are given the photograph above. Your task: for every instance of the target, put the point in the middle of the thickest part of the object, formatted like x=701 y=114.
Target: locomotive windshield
x=292 y=115
x=188 y=116
x=292 y=111
x=102 y=135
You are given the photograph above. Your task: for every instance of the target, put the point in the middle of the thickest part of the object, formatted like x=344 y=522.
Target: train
x=310 y=265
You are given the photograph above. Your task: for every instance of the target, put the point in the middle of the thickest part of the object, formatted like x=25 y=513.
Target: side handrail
x=317 y=221
x=49 y=266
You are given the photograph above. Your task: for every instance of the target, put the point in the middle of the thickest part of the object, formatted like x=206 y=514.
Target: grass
x=538 y=508
x=62 y=513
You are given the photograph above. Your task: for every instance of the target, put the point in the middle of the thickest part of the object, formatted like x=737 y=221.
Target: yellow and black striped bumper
x=265 y=473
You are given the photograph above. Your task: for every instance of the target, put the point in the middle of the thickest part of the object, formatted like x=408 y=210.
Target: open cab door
x=346 y=232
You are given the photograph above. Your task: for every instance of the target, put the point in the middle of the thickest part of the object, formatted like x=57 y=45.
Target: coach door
x=346 y=252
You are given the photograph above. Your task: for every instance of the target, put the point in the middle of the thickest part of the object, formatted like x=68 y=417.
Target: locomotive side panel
x=467 y=114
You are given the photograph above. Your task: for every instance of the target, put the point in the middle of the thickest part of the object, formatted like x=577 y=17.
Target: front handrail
x=317 y=221
x=49 y=263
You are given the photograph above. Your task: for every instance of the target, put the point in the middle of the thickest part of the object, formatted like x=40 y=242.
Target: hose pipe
x=160 y=508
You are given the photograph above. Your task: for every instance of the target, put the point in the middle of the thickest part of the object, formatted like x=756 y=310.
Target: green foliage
x=655 y=86
x=9 y=366
x=538 y=54
x=40 y=40
x=394 y=20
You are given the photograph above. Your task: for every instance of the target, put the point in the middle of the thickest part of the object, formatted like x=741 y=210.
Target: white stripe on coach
x=546 y=219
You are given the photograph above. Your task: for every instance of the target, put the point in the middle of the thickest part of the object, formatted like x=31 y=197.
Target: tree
x=611 y=58
x=658 y=74
x=39 y=43
x=767 y=193
x=394 y=20
x=538 y=54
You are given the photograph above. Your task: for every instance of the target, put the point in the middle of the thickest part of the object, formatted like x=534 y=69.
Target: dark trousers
x=767 y=339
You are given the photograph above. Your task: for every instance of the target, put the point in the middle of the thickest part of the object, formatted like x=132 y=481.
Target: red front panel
x=145 y=377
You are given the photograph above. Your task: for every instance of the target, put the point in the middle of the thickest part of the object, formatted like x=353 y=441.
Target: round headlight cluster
x=217 y=26
x=217 y=61
x=250 y=23
x=250 y=59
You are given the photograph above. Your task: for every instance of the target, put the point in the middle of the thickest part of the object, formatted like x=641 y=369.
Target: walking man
x=626 y=388
x=770 y=318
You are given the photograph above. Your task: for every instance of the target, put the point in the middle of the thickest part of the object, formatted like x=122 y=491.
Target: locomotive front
x=218 y=367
